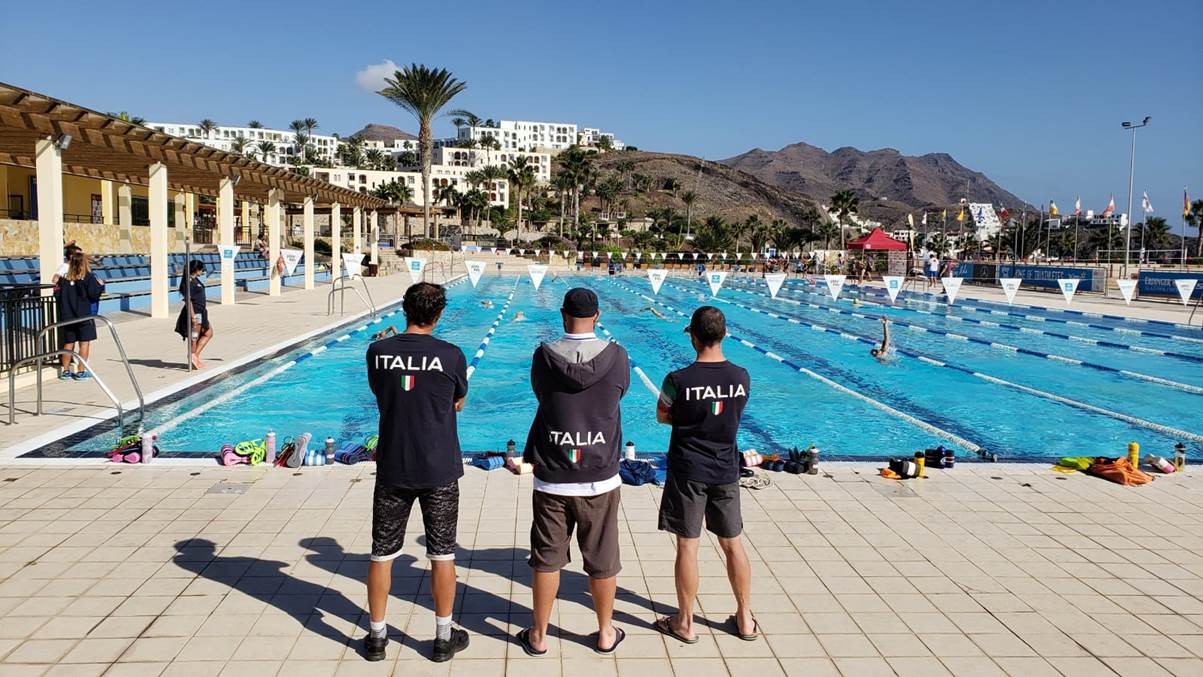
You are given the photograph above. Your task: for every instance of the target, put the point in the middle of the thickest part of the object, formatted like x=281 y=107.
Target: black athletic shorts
x=685 y=503
x=390 y=511
x=595 y=521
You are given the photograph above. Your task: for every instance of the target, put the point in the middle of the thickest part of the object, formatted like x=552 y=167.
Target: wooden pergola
x=54 y=137
x=108 y=148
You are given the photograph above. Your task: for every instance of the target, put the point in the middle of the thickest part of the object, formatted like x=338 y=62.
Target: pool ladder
x=12 y=374
x=340 y=287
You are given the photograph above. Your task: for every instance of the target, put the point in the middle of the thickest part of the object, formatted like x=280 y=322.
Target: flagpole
x=1185 y=204
x=1040 y=228
x=1131 y=173
x=1077 y=227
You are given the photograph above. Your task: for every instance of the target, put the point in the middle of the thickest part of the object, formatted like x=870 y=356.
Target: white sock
x=377 y=628
x=442 y=627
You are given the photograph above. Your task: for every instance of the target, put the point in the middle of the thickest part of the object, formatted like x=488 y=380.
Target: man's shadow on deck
x=312 y=604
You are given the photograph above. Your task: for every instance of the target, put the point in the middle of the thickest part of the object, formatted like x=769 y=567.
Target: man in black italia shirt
x=420 y=383
x=703 y=403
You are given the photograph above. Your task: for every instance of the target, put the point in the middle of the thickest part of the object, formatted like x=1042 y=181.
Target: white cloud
x=371 y=78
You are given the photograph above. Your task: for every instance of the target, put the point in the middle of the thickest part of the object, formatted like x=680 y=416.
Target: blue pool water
x=972 y=388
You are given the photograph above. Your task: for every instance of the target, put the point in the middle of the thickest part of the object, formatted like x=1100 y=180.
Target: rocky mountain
x=886 y=181
x=386 y=133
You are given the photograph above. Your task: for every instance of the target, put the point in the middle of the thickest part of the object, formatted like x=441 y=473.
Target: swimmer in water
x=389 y=331
x=886 y=351
x=657 y=313
x=520 y=316
x=486 y=304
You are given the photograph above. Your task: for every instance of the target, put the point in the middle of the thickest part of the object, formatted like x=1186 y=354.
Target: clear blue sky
x=1030 y=93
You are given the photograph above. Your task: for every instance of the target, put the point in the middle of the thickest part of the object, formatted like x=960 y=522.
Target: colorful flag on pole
x=1052 y=209
x=910 y=220
x=944 y=215
x=1185 y=203
x=924 y=221
x=961 y=214
x=1003 y=214
x=1144 y=203
x=1077 y=206
x=1110 y=208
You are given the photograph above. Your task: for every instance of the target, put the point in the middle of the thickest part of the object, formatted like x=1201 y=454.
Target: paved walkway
x=982 y=570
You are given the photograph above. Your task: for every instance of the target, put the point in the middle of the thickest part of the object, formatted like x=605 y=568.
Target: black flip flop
x=747 y=638
x=665 y=626
x=619 y=635
x=524 y=640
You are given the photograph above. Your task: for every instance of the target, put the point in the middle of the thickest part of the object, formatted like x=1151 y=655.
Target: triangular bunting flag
x=952 y=285
x=1010 y=286
x=475 y=270
x=1126 y=288
x=893 y=286
x=292 y=257
x=774 y=281
x=229 y=252
x=538 y=251
x=351 y=264
x=1185 y=289
x=638 y=256
x=521 y=252
x=1068 y=286
x=536 y=272
x=415 y=266
x=715 y=278
x=695 y=256
x=834 y=284
x=656 y=277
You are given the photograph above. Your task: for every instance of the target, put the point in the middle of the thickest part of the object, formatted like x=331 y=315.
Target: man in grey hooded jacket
x=575 y=445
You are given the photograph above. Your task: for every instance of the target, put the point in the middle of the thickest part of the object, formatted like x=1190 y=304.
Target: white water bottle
x=148 y=447
x=630 y=451
x=1159 y=464
x=270 y=443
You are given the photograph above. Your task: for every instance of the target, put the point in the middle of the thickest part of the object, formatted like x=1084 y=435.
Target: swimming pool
x=1023 y=383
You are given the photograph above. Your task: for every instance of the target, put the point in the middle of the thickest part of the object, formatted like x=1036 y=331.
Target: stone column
x=336 y=241
x=106 y=202
x=125 y=219
x=158 y=241
x=181 y=221
x=225 y=229
x=357 y=228
x=49 y=163
x=374 y=237
x=247 y=234
x=307 y=235
x=273 y=240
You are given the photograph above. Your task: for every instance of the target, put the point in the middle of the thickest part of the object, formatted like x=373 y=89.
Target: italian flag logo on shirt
x=407 y=382
x=574 y=455
x=716 y=408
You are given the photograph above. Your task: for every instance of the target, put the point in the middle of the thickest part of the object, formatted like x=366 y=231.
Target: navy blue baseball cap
x=580 y=302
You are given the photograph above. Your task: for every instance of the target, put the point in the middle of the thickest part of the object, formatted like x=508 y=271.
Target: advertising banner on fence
x=1162 y=284
x=893 y=285
x=834 y=284
x=1068 y=287
x=351 y=264
x=715 y=278
x=536 y=272
x=1010 y=286
x=292 y=257
x=475 y=270
x=774 y=281
x=1126 y=287
x=656 y=277
x=952 y=285
x=1185 y=287
x=415 y=266
x=1092 y=279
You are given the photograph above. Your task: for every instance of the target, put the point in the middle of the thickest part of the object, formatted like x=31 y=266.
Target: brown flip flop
x=665 y=626
x=747 y=638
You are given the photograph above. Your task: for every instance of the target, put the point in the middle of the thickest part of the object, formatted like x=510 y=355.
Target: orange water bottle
x=1134 y=454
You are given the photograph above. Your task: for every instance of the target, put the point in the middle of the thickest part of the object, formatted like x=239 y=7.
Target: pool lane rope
x=918 y=423
x=1135 y=375
x=484 y=342
x=1127 y=418
x=968 y=305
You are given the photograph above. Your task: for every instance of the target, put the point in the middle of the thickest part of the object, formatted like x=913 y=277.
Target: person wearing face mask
x=192 y=287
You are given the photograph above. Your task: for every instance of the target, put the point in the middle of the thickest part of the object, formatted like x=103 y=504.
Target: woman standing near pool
x=76 y=291
x=192 y=287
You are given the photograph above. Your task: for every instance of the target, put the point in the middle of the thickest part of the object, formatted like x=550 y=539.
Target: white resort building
x=228 y=139
x=478 y=158
x=367 y=180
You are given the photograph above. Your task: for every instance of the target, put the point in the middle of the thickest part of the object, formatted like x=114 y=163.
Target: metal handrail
x=340 y=285
x=120 y=349
x=12 y=385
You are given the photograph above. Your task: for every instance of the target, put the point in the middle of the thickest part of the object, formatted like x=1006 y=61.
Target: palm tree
x=826 y=232
x=688 y=197
x=493 y=173
x=844 y=203
x=564 y=183
x=1195 y=218
x=374 y=158
x=424 y=92
x=577 y=165
x=489 y=143
x=255 y=124
x=447 y=195
x=207 y=126
x=265 y=149
x=713 y=235
x=126 y=117
x=938 y=243
x=605 y=143
x=1154 y=233
x=239 y=144
x=465 y=118
x=310 y=125
x=625 y=167
x=521 y=176
x=607 y=190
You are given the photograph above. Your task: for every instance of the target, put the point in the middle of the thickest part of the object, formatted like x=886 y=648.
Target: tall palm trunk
x=426 y=144
x=576 y=207
x=520 y=215
x=562 y=200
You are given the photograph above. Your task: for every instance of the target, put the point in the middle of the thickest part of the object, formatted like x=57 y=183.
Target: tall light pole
x=1131 y=173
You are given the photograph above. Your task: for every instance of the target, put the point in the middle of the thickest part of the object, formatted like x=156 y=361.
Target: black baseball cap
x=580 y=302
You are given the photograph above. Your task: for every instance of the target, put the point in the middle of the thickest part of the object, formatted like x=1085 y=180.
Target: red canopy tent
x=877 y=241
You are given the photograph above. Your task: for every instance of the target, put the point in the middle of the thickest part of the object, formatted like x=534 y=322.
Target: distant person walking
x=933 y=269
x=703 y=403
x=574 y=444
x=420 y=383
x=76 y=291
x=192 y=287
